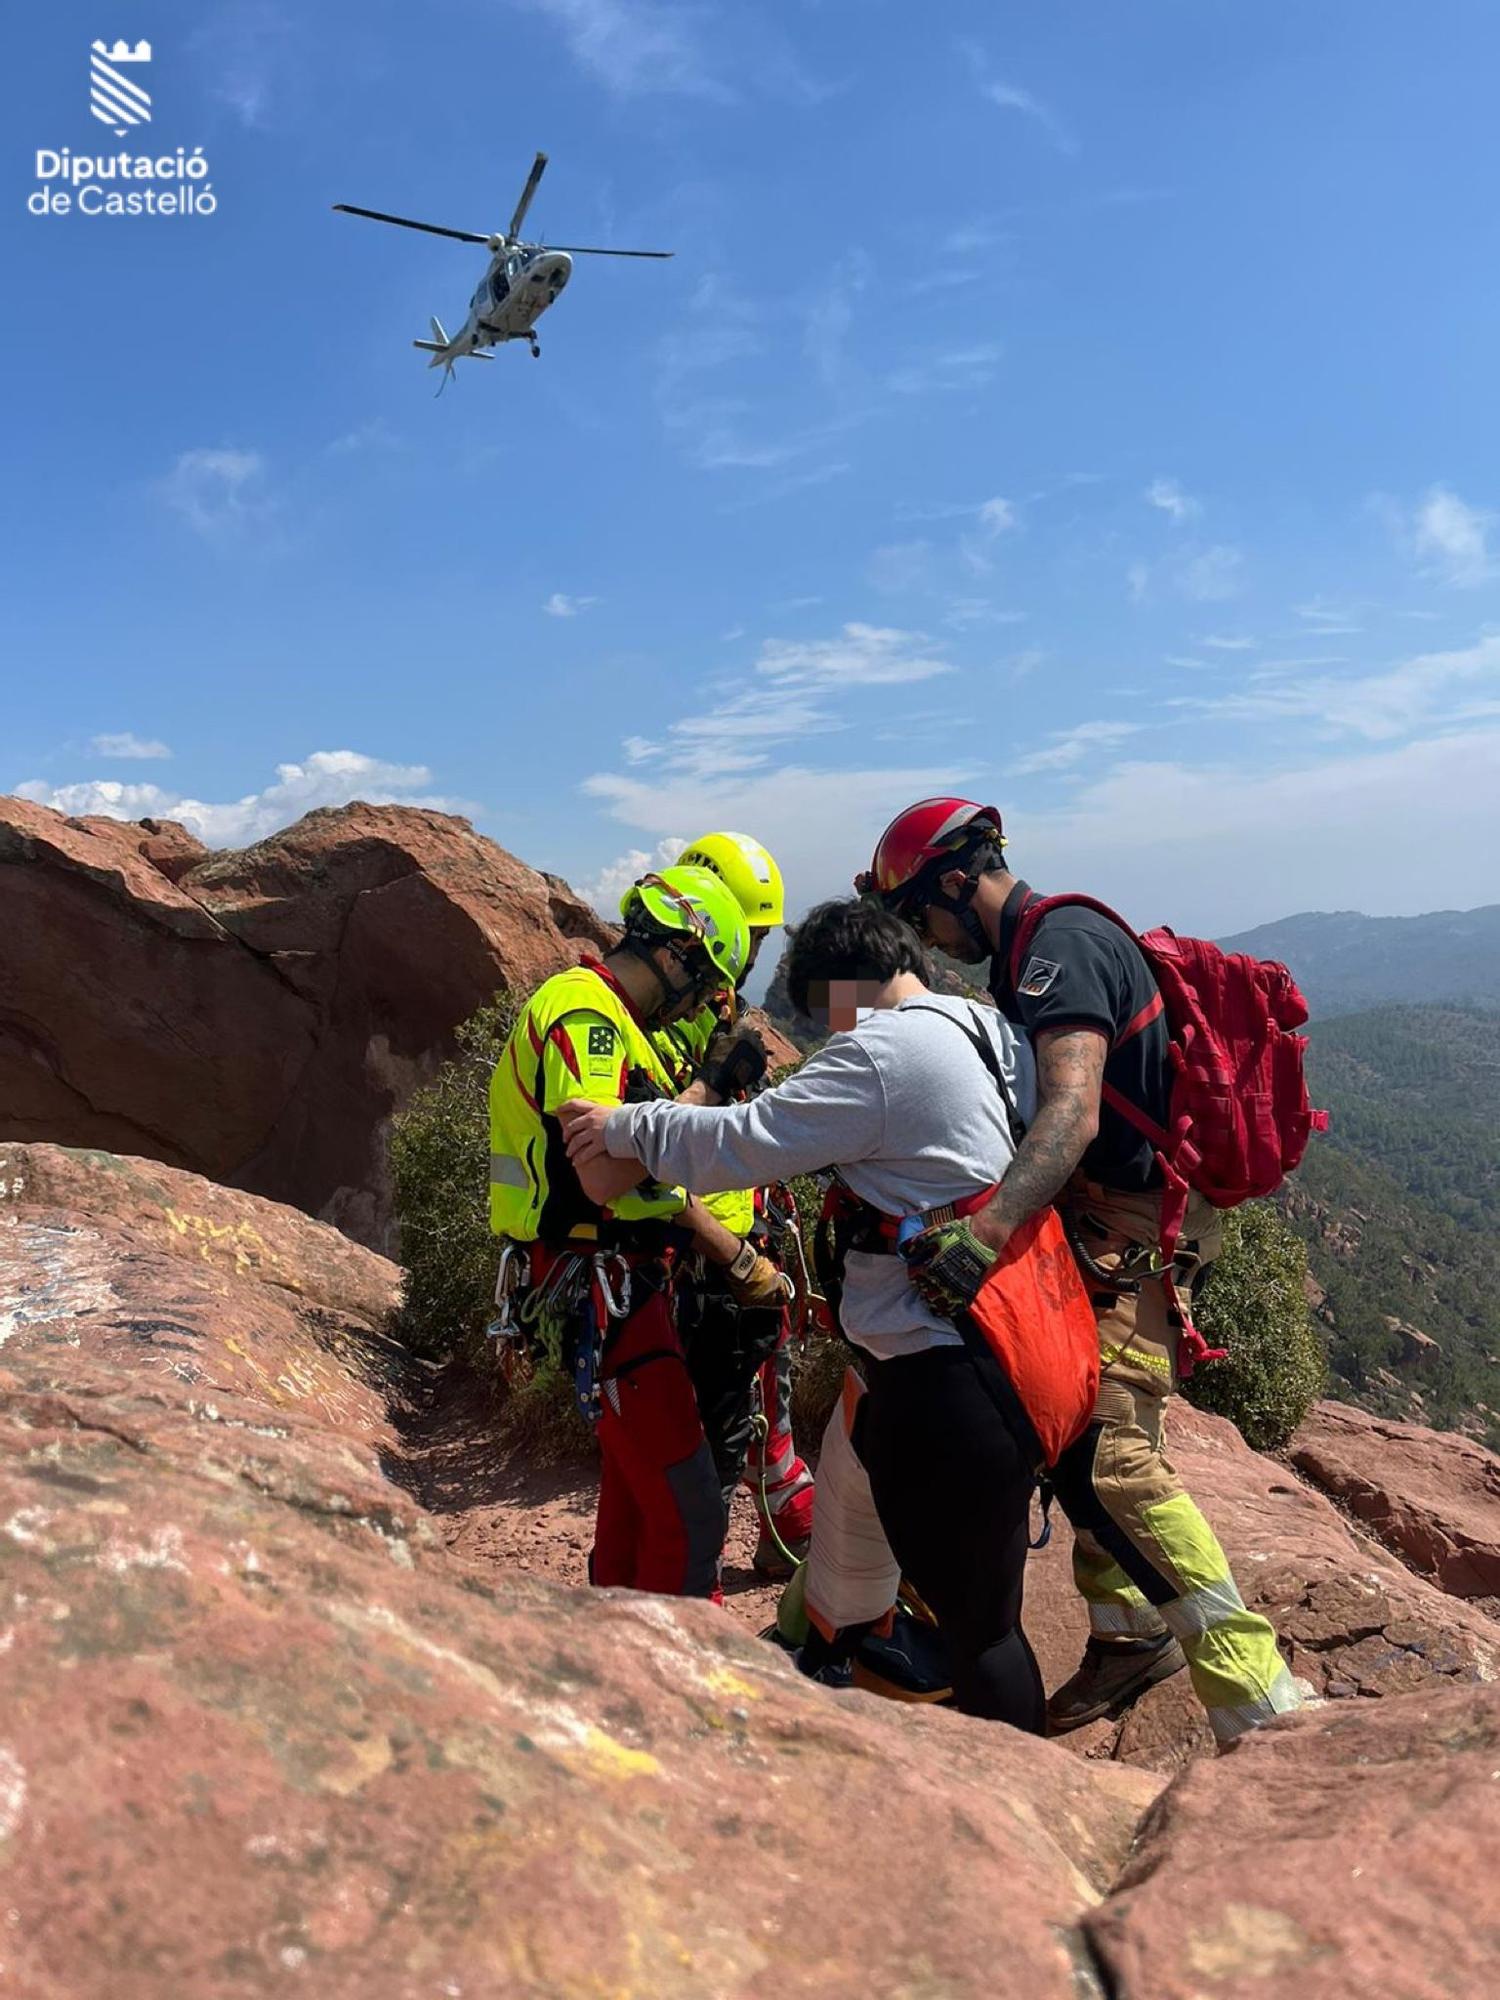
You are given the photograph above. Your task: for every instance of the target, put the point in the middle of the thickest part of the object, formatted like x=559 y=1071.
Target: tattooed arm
x=1069 y=1075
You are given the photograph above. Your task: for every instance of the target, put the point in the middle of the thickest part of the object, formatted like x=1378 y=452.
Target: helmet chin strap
x=645 y=949
x=962 y=907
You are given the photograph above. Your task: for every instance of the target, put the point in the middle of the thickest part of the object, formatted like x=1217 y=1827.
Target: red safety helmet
x=920 y=835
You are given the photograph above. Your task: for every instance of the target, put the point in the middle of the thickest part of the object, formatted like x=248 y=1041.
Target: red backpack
x=1238 y=1118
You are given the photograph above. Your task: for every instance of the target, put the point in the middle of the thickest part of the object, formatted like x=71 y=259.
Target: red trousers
x=660 y=1523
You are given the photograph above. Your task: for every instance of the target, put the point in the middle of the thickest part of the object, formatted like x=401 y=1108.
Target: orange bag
x=1031 y=1326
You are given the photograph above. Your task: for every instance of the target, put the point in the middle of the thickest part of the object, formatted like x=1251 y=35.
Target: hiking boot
x=1111 y=1677
x=777 y=1561
x=829 y=1673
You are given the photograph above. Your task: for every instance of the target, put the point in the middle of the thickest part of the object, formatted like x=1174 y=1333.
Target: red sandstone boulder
x=1348 y=1852
x=257 y=1016
x=1433 y=1497
x=188 y=1216
x=259 y=1730
x=1353 y=1621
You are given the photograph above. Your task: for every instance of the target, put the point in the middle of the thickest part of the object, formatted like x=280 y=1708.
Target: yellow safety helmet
x=697 y=905
x=745 y=868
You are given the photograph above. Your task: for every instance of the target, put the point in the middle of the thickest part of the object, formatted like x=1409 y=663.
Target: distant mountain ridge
x=1346 y=962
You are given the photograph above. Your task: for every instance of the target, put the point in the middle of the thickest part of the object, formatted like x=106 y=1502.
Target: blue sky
x=1086 y=408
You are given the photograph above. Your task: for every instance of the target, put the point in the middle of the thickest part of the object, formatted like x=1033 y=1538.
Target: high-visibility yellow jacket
x=575 y=1037
x=681 y=1048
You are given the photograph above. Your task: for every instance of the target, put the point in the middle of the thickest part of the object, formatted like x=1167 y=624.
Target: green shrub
x=1254 y=1303
x=440 y=1167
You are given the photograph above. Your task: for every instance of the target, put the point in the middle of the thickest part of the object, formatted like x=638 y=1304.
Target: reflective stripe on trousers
x=1147 y=1561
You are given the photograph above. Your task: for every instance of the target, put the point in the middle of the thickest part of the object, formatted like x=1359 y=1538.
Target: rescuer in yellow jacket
x=738 y=1355
x=601 y=1280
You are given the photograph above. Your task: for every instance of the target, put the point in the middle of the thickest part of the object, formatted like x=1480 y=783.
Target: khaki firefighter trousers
x=1144 y=1558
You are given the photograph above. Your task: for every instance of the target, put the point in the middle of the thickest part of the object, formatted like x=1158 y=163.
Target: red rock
x=259 y=1016
x=187 y=1216
x=1347 y=1852
x=781 y=1053
x=258 y=1727
x=1431 y=1496
x=1352 y=1619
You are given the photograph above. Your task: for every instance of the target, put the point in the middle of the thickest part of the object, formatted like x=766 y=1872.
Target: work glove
x=755 y=1282
x=947 y=1266
x=735 y=1065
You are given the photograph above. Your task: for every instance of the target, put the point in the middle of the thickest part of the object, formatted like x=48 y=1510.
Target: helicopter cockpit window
x=498 y=285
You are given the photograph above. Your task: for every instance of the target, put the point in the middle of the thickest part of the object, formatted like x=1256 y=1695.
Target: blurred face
x=941 y=930
x=842 y=1003
x=683 y=994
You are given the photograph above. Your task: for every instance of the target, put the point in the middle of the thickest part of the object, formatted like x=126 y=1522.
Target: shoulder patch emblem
x=1038 y=976
x=601 y=1041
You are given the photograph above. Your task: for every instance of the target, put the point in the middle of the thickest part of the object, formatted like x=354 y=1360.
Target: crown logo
x=123 y=52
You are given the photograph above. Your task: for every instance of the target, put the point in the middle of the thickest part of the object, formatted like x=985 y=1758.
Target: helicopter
x=522 y=281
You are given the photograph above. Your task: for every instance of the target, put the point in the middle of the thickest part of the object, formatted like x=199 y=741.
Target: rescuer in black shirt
x=1157 y=1584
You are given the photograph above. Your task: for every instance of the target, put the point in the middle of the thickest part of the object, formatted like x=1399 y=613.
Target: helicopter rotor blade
x=405 y=222
x=538 y=168
x=588 y=250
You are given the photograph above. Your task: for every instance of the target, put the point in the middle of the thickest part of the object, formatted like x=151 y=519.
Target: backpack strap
x=985 y=1050
x=1043 y=906
x=1176 y=1157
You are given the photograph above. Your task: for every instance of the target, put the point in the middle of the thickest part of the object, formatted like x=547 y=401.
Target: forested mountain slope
x=1400 y=1208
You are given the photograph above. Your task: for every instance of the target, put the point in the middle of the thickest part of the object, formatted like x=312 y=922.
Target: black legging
x=953 y=1492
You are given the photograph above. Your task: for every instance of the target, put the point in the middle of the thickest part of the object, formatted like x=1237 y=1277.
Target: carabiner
x=614 y=1290
x=510 y=1281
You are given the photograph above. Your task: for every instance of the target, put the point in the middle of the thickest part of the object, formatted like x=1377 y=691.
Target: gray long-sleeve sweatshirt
x=902 y=1105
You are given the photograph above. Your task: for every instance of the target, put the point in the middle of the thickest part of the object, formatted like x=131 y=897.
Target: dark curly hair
x=850 y=937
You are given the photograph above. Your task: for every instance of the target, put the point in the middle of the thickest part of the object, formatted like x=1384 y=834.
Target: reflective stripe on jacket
x=575 y=1037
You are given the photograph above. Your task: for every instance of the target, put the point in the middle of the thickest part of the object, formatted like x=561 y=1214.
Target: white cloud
x=969 y=237
x=1211 y=574
x=219 y=492
x=860 y=656
x=1069 y=747
x=326 y=778
x=706 y=761
x=1326 y=620
x=1215 y=849
x=560 y=605
x=997 y=516
x=952 y=368
x=637 y=47
x=127 y=745
x=1138 y=582
x=1237 y=644
x=1432 y=689
x=605 y=889
x=964 y=612
x=1452 y=538
x=1170 y=498
x=1009 y=96
x=993 y=518
x=821 y=824
x=900 y=566
x=830 y=316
